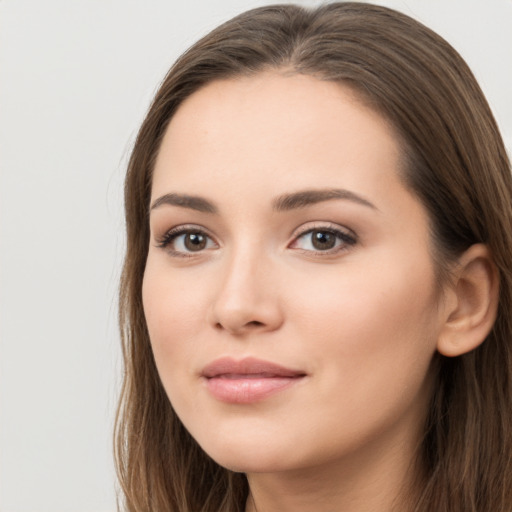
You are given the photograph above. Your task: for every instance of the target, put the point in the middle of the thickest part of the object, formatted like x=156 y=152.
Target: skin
x=361 y=321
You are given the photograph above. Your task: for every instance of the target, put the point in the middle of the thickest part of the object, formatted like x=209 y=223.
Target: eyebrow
x=192 y=202
x=305 y=198
x=281 y=203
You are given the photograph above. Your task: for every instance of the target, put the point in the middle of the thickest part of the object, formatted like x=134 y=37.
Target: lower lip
x=246 y=390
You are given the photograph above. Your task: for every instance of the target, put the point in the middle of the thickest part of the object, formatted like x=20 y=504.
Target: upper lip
x=248 y=366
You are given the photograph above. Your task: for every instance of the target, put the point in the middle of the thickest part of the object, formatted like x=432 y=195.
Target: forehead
x=278 y=127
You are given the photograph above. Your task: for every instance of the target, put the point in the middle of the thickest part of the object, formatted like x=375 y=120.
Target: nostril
x=248 y=325
x=255 y=323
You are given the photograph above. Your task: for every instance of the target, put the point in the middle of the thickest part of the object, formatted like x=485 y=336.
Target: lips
x=247 y=380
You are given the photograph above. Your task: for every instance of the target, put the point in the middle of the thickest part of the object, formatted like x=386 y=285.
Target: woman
x=315 y=303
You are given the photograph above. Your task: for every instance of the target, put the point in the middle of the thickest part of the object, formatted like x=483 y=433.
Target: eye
x=183 y=241
x=324 y=239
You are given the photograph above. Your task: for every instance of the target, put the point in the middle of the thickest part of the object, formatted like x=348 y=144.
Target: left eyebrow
x=305 y=198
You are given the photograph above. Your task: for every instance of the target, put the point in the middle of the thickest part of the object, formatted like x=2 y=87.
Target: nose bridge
x=245 y=297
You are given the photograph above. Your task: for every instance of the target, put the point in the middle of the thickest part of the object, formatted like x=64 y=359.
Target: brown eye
x=323 y=240
x=195 y=241
x=182 y=241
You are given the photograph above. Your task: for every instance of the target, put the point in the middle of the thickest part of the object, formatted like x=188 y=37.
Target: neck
x=372 y=479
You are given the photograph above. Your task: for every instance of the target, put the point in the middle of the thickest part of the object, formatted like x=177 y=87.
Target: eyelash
x=170 y=236
x=347 y=239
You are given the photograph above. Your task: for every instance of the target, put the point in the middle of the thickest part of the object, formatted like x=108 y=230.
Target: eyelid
x=321 y=225
x=171 y=234
x=347 y=236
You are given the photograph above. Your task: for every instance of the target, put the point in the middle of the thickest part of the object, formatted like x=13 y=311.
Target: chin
x=252 y=463
x=245 y=457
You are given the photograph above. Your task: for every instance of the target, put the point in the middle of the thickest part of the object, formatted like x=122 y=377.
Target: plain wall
x=76 y=77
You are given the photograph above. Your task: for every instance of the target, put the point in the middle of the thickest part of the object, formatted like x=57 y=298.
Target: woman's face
x=289 y=289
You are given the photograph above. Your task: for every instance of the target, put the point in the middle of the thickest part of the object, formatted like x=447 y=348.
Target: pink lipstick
x=248 y=380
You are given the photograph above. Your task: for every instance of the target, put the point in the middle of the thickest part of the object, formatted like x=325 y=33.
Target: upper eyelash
x=173 y=233
x=347 y=236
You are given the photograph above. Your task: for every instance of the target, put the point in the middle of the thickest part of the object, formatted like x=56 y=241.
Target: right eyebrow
x=192 y=202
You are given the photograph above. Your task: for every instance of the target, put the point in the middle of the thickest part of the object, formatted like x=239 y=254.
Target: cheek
x=171 y=307
x=376 y=327
x=372 y=341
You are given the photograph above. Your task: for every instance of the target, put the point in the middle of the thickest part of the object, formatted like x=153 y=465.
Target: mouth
x=248 y=380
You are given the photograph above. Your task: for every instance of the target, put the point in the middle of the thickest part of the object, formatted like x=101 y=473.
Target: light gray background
x=76 y=77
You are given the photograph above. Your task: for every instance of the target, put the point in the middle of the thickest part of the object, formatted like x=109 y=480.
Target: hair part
x=454 y=162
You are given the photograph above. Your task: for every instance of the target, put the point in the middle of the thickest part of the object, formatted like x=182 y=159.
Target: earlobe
x=472 y=314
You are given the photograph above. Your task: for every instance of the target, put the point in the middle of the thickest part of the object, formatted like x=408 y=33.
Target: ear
x=469 y=317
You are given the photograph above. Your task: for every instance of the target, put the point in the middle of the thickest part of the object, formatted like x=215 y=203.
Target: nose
x=247 y=298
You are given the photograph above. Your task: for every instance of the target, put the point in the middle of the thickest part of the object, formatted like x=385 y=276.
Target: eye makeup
x=318 y=239
x=186 y=241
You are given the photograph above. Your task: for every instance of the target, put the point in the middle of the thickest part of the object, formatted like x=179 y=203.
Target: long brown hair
x=457 y=166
